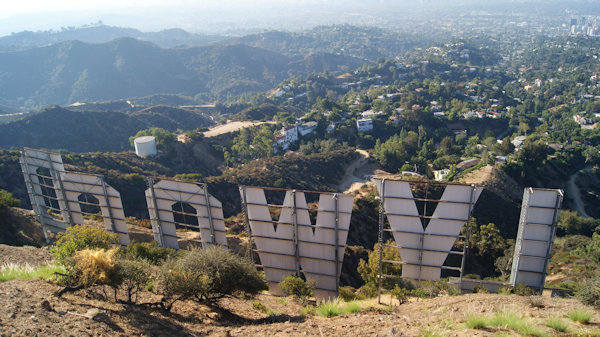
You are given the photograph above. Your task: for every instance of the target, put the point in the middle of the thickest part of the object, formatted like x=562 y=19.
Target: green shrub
x=149 y=251
x=505 y=290
x=80 y=237
x=7 y=199
x=480 y=289
x=401 y=294
x=420 y=293
x=580 y=315
x=348 y=294
x=523 y=290
x=297 y=287
x=589 y=293
x=133 y=276
x=557 y=324
x=368 y=290
x=207 y=275
x=329 y=309
x=472 y=277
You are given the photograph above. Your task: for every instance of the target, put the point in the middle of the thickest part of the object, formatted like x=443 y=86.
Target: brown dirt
x=496 y=181
x=29 y=307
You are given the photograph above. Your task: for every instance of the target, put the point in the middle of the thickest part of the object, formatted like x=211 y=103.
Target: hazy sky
x=227 y=16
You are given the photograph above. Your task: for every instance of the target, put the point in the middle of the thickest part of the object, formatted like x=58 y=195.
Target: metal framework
x=296 y=246
x=162 y=195
x=424 y=250
x=109 y=202
x=535 y=237
x=58 y=191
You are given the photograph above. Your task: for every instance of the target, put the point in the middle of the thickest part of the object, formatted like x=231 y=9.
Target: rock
x=46 y=305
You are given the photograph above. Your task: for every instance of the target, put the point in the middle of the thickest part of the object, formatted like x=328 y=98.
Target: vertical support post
x=516 y=265
x=213 y=240
x=467 y=235
x=64 y=208
x=295 y=231
x=337 y=258
x=111 y=218
x=380 y=240
x=32 y=195
x=155 y=218
x=557 y=204
x=247 y=221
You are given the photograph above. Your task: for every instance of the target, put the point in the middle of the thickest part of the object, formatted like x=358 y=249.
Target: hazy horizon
x=238 y=17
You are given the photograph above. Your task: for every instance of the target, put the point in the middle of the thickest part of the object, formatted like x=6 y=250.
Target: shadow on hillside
x=228 y=318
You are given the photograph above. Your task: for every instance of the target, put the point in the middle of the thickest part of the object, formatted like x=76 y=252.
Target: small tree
x=369 y=270
x=296 y=286
x=205 y=275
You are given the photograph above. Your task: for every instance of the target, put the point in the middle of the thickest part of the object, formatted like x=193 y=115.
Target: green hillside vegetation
x=85 y=131
x=74 y=71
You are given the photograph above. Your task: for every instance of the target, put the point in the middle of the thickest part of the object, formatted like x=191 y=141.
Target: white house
x=364 y=124
x=307 y=128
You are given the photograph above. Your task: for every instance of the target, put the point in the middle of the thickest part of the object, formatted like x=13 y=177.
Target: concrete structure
x=145 y=146
x=364 y=124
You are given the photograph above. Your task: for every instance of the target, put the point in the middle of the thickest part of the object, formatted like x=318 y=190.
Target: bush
x=133 y=276
x=580 y=315
x=80 y=237
x=480 y=289
x=505 y=290
x=296 y=286
x=589 y=293
x=523 y=290
x=149 y=251
x=369 y=290
x=7 y=199
x=207 y=275
x=369 y=270
x=348 y=294
x=95 y=267
x=400 y=294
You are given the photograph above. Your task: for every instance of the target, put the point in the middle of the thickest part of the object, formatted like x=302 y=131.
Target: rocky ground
x=31 y=308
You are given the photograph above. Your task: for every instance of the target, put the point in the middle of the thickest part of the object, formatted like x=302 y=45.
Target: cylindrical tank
x=145 y=146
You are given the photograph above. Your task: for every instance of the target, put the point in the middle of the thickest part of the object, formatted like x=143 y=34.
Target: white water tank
x=145 y=146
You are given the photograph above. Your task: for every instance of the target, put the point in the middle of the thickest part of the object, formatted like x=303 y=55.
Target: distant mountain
x=101 y=34
x=89 y=131
x=74 y=71
x=369 y=43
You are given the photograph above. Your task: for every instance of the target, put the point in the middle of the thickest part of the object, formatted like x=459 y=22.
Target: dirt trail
x=575 y=194
x=354 y=177
x=231 y=127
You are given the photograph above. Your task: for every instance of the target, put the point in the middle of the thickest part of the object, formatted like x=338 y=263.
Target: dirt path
x=231 y=127
x=354 y=177
x=575 y=194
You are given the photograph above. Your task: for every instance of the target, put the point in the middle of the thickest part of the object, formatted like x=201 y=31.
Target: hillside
x=32 y=308
x=88 y=131
x=100 y=33
x=74 y=71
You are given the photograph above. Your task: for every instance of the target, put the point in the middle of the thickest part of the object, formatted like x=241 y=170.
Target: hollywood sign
x=292 y=244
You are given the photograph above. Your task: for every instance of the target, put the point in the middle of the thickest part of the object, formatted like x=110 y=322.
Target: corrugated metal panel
x=293 y=246
x=423 y=251
x=109 y=200
x=537 y=228
x=209 y=212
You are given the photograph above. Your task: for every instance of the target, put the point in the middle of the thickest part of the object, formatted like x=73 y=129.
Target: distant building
x=518 y=141
x=463 y=165
x=440 y=175
x=330 y=128
x=364 y=124
x=307 y=128
x=286 y=136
